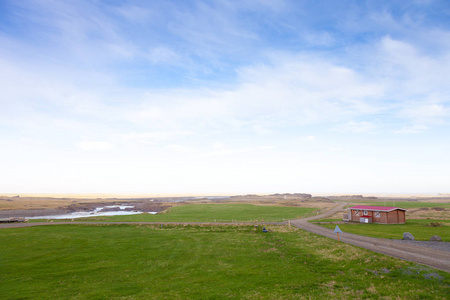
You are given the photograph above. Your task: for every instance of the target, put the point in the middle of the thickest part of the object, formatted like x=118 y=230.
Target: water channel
x=118 y=210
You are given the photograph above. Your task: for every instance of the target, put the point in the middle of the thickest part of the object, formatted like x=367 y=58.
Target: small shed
x=377 y=214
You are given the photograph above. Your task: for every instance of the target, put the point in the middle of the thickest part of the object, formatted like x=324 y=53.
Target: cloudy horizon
x=224 y=97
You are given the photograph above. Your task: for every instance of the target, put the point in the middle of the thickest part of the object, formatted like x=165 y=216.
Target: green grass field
x=213 y=213
x=187 y=262
x=418 y=228
x=402 y=204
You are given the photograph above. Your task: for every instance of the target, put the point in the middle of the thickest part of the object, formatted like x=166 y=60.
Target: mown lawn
x=213 y=213
x=420 y=229
x=194 y=262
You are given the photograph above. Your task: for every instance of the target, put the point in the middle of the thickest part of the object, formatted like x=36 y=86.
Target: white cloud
x=134 y=13
x=221 y=150
x=412 y=129
x=356 y=127
x=85 y=75
x=151 y=138
x=411 y=72
x=338 y=149
x=291 y=90
x=288 y=90
x=181 y=149
x=319 y=38
x=262 y=130
x=427 y=112
x=304 y=140
x=94 y=145
x=162 y=54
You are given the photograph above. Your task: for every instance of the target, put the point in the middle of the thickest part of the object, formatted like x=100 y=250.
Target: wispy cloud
x=94 y=145
x=162 y=82
x=220 y=150
x=151 y=138
x=427 y=112
x=356 y=127
x=412 y=129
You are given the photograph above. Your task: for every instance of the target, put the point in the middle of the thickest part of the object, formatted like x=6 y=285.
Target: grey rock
x=435 y=238
x=408 y=236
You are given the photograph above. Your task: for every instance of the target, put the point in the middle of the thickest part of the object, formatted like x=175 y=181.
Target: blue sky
x=224 y=97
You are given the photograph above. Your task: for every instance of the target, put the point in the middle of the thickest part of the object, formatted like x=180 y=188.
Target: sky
x=224 y=97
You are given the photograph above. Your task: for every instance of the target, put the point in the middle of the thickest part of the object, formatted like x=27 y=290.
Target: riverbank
x=86 y=208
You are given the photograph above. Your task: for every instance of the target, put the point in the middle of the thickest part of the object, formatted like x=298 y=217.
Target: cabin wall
x=381 y=219
x=355 y=217
x=396 y=217
x=393 y=217
x=402 y=216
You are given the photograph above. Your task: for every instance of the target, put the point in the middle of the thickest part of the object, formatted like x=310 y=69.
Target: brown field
x=146 y=203
x=430 y=213
x=27 y=202
x=9 y=203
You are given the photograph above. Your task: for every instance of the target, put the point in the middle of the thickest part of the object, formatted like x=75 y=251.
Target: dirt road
x=434 y=258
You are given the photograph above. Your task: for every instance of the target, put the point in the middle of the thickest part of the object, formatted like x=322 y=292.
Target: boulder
x=435 y=238
x=408 y=236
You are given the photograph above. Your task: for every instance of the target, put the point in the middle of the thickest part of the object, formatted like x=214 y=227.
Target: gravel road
x=414 y=252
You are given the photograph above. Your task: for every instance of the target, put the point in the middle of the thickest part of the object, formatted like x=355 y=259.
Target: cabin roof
x=376 y=208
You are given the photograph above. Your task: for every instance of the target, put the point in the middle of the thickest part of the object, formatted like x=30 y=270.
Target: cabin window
x=356 y=212
x=377 y=214
x=365 y=213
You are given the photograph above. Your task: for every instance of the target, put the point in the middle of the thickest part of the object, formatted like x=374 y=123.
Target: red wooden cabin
x=377 y=214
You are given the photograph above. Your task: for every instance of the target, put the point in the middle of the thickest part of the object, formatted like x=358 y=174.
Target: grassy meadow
x=213 y=213
x=200 y=262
